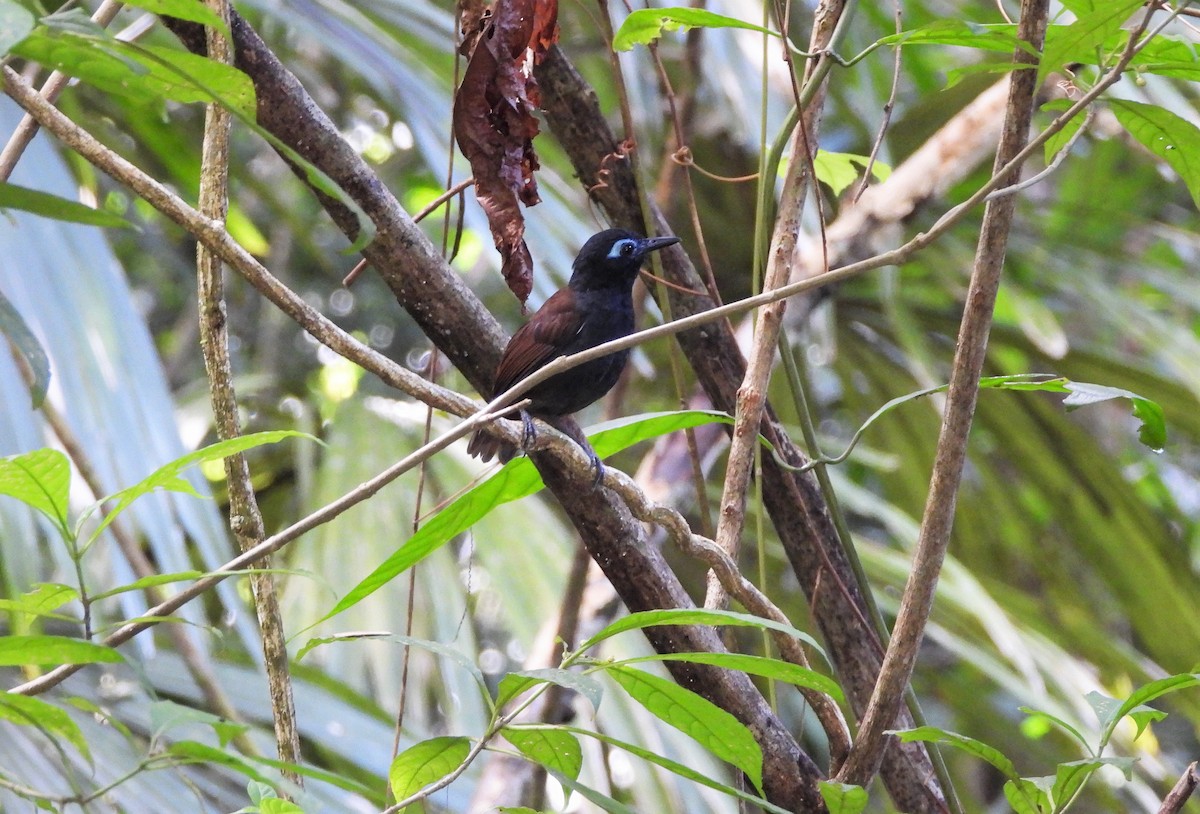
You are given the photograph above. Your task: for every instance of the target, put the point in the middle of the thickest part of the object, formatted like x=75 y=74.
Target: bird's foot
x=528 y=432
x=597 y=465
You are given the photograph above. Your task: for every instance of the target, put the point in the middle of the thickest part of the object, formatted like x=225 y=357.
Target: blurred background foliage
x=1075 y=556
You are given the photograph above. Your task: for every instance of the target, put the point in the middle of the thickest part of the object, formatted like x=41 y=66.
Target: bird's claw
x=599 y=467
x=528 y=432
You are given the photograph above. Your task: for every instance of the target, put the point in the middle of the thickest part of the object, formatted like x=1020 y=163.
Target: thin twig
x=1174 y=801
x=934 y=538
x=245 y=519
x=887 y=113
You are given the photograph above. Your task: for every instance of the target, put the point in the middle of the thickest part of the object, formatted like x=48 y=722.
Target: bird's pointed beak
x=653 y=244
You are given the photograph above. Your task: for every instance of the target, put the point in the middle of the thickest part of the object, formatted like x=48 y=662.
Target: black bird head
x=612 y=258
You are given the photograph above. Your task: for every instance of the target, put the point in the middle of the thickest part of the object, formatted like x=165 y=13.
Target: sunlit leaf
x=644 y=26
x=757 y=665
x=28 y=711
x=932 y=734
x=714 y=728
x=513 y=684
x=843 y=798
x=962 y=33
x=556 y=749
x=425 y=763
x=1167 y=135
x=52 y=206
x=41 y=480
x=51 y=651
x=1066 y=43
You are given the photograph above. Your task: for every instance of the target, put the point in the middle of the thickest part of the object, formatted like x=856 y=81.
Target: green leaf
x=931 y=734
x=167 y=715
x=843 y=798
x=41 y=601
x=147 y=73
x=759 y=666
x=1067 y=43
x=27 y=711
x=1110 y=713
x=646 y=25
x=1070 y=777
x=516 y=479
x=51 y=651
x=52 y=206
x=1026 y=797
x=697 y=616
x=15 y=23
x=425 y=763
x=1001 y=37
x=14 y=327
x=1153 y=430
x=168 y=476
x=152 y=581
x=712 y=727
x=437 y=648
x=196 y=752
x=839 y=170
x=1166 y=135
x=192 y=10
x=277 y=805
x=1060 y=139
x=518 y=810
x=41 y=480
x=677 y=768
x=555 y=749
x=513 y=684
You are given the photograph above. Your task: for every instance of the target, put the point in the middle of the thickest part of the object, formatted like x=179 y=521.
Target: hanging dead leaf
x=494 y=122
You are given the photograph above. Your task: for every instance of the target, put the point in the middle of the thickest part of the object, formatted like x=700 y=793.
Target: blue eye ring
x=622 y=248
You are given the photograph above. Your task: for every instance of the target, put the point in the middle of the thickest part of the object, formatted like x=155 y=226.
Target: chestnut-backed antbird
x=595 y=307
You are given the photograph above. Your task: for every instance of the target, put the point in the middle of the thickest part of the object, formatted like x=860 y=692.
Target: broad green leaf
x=1152 y=432
x=1060 y=139
x=193 y=10
x=1110 y=712
x=152 y=581
x=28 y=711
x=677 y=768
x=1026 y=797
x=277 y=805
x=437 y=648
x=144 y=72
x=966 y=34
x=516 y=479
x=52 y=206
x=645 y=25
x=167 y=715
x=956 y=75
x=556 y=749
x=41 y=601
x=168 y=476
x=15 y=23
x=40 y=479
x=425 y=763
x=843 y=798
x=931 y=734
x=513 y=684
x=697 y=616
x=1066 y=43
x=1070 y=777
x=1170 y=137
x=712 y=727
x=839 y=170
x=759 y=666
x=51 y=651
x=14 y=328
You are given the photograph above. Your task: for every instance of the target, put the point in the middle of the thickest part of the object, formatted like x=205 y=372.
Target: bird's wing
x=540 y=340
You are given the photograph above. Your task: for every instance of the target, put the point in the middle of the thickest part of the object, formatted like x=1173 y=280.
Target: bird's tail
x=485 y=447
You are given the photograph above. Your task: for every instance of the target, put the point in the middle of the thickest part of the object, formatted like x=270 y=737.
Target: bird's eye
x=622 y=248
